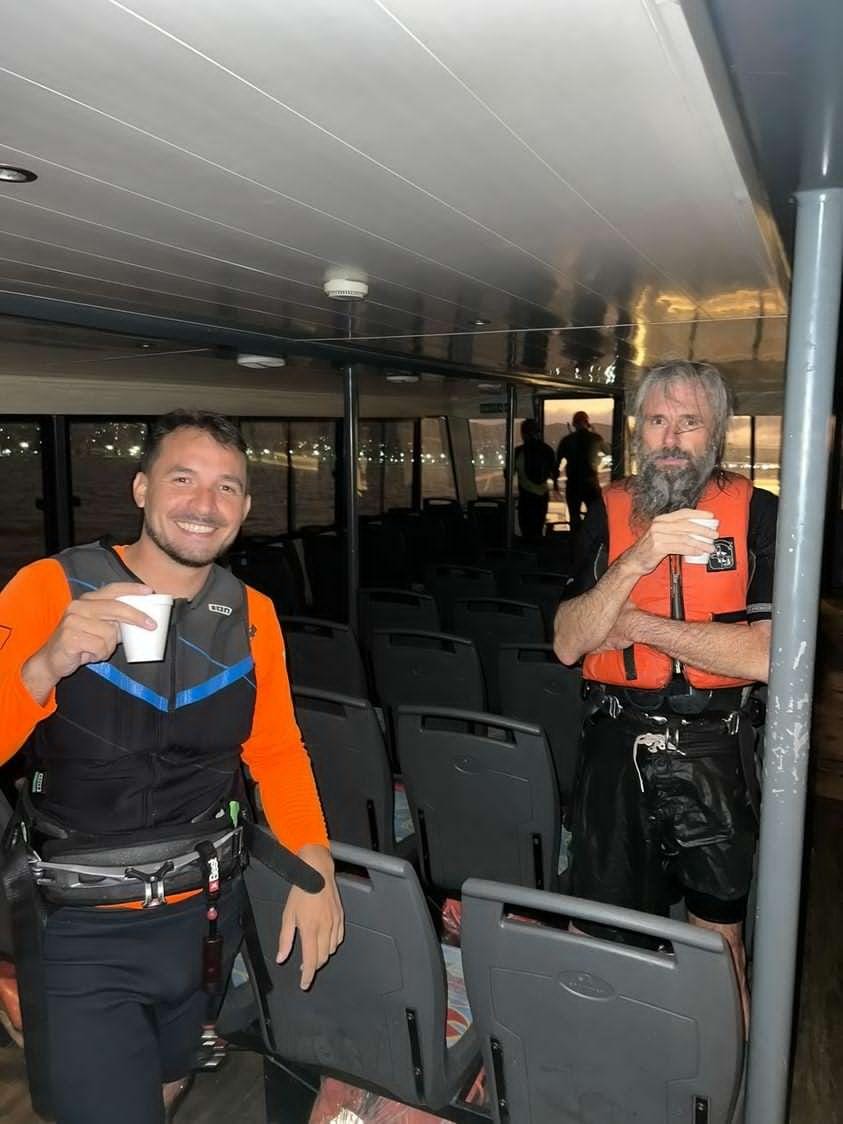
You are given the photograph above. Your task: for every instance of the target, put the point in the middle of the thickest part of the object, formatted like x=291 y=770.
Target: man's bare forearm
x=583 y=623
x=37 y=677
x=736 y=650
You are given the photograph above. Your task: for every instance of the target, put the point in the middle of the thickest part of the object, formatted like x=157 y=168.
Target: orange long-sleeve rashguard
x=31 y=606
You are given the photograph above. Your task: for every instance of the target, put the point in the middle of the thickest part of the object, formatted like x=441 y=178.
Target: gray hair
x=705 y=379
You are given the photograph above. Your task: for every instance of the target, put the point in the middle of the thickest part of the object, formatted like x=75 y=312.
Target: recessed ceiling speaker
x=343 y=289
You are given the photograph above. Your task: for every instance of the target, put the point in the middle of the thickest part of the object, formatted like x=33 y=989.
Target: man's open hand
x=318 y=918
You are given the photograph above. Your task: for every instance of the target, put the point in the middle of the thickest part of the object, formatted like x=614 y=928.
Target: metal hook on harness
x=153 y=883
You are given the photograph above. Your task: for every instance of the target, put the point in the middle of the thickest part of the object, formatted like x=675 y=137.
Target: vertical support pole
x=382 y=474
x=815 y=304
x=752 y=449
x=618 y=438
x=57 y=502
x=416 y=487
x=291 y=481
x=351 y=418
x=509 y=492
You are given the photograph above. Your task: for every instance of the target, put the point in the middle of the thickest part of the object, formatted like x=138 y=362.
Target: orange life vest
x=709 y=592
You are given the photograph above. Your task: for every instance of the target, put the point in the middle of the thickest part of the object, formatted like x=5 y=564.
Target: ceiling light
x=490 y=386
x=480 y=322
x=260 y=362
x=399 y=377
x=8 y=174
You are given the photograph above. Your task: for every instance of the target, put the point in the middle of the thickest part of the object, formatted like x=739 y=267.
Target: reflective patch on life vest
x=722 y=556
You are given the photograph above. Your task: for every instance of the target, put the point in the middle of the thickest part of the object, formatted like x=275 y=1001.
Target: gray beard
x=656 y=491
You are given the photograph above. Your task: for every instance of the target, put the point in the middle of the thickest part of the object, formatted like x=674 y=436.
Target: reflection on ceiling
x=539 y=189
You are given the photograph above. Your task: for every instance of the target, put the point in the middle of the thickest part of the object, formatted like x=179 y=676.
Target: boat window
x=768 y=444
x=22 y=538
x=268 y=447
x=384 y=466
x=313 y=458
x=104 y=457
x=437 y=466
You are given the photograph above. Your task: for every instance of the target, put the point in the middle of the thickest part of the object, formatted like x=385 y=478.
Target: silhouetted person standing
x=581 y=451
x=535 y=464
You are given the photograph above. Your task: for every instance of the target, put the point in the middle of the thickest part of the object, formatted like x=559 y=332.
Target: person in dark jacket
x=580 y=450
x=535 y=465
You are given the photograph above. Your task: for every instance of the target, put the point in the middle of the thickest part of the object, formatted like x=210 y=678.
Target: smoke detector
x=260 y=362
x=344 y=289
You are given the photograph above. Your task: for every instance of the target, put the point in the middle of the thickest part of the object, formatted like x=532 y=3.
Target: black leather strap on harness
x=28 y=920
x=281 y=861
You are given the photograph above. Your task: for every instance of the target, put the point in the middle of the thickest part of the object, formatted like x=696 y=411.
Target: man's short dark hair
x=222 y=429
x=530 y=428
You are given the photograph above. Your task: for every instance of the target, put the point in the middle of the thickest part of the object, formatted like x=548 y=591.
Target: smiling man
x=672 y=616
x=150 y=754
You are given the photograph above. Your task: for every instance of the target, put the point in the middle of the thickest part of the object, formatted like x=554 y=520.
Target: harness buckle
x=153 y=883
x=732 y=722
x=615 y=706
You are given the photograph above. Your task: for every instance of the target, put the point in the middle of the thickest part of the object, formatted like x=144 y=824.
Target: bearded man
x=672 y=616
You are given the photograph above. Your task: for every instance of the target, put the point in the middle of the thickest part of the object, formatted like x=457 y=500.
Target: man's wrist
x=317 y=855
x=628 y=565
x=38 y=678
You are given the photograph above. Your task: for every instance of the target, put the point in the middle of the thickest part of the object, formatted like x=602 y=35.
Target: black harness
x=45 y=867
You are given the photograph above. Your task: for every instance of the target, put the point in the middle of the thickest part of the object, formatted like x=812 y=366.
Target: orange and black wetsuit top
x=124 y=747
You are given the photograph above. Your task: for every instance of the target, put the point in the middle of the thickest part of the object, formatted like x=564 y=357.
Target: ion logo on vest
x=223 y=610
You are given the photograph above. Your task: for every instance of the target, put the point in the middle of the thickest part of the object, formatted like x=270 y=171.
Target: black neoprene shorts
x=651 y=827
x=125 y=1004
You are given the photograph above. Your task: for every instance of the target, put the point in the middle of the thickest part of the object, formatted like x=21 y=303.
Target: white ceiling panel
x=543 y=165
x=457 y=69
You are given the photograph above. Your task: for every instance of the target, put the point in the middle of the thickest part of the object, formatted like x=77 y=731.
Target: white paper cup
x=146 y=645
x=702 y=559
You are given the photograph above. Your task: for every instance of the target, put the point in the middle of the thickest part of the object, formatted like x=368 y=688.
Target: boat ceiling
x=560 y=190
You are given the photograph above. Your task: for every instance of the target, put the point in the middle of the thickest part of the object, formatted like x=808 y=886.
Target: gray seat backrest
x=395 y=609
x=325 y=655
x=492 y=621
x=450 y=584
x=376 y=1012
x=426 y=669
x=536 y=687
x=346 y=746
x=539 y=587
x=483 y=797
x=578 y=1030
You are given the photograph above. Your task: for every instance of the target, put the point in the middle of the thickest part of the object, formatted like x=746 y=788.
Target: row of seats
x=571 y=1029
x=397 y=550
x=522 y=681
x=482 y=790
